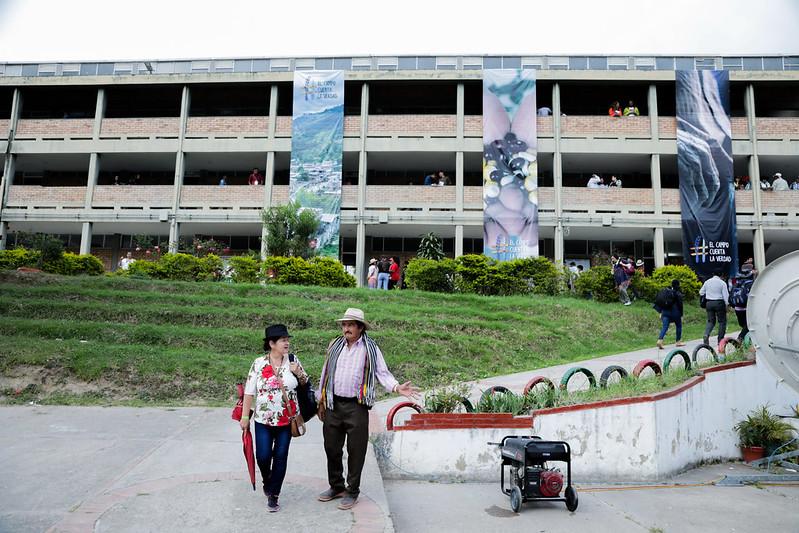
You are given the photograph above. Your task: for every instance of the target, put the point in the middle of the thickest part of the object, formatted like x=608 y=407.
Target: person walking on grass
x=272 y=388
x=717 y=295
x=620 y=279
x=353 y=367
x=668 y=303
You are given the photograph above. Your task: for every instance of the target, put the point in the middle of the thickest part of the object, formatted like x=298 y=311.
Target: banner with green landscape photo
x=316 y=152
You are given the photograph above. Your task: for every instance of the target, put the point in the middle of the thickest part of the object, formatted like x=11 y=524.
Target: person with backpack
x=620 y=279
x=739 y=296
x=668 y=303
x=382 y=273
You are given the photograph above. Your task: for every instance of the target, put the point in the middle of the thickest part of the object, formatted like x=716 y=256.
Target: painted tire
x=672 y=354
x=467 y=404
x=492 y=391
x=393 y=412
x=537 y=380
x=564 y=382
x=609 y=371
x=647 y=363
x=708 y=348
x=747 y=344
x=728 y=341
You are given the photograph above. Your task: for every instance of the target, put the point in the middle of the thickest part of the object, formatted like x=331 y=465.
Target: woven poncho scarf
x=366 y=392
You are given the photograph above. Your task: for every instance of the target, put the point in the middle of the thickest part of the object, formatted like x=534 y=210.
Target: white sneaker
x=628 y=303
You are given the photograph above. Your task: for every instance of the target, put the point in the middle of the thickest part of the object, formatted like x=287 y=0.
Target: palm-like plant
x=431 y=247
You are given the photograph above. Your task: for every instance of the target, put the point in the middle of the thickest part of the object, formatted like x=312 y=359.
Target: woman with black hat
x=272 y=387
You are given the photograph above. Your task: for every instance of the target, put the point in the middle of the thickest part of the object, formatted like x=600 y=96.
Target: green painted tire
x=672 y=354
x=564 y=382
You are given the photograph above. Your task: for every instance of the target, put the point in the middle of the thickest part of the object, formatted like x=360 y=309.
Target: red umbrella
x=249 y=456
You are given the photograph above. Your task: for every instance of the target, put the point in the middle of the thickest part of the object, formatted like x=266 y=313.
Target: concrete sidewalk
x=82 y=469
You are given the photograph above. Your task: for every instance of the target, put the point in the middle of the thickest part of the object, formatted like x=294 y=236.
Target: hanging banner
x=317 y=136
x=510 y=167
x=704 y=162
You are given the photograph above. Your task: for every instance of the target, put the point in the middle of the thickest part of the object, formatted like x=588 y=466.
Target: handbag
x=703 y=301
x=297 y=423
x=306 y=399
x=237 y=409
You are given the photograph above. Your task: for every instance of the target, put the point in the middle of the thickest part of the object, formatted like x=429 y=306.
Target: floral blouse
x=264 y=385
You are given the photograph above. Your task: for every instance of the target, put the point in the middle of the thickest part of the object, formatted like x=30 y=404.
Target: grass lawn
x=115 y=340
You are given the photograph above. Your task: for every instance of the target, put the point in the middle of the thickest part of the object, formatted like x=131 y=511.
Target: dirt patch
x=51 y=381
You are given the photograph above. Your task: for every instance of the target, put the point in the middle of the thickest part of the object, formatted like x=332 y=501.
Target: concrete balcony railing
x=59 y=128
x=164 y=127
x=36 y=196
x=133 y=196
x=410 y=197
x=779 y=202
x=216 y=197
x=667 y=127
x=610 y=200
x=227 y=126
x=349 y=195
x=605 y=127
x=407 y=125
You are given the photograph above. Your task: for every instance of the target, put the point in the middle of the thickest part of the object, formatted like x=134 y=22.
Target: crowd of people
x=777 y=183
x=598 y=182
x=624 y=269
x=631 y=110
x=437 y=179
x=385 y=273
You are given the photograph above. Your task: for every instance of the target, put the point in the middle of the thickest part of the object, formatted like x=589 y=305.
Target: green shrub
x=142 y=269
x=646 y=286
x=430 y=275
x=328 y=272
x=504 y=402
x=245 y=269
x=177 y=267
x=18 y=257
x=446 y=399
x=70 y=264
x=689 y=283
x=480 y=274
x=538 y=274
x=320 y=271
x=597 y=282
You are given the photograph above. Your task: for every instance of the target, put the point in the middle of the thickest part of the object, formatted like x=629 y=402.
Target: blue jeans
x=668 y=319
x=272 y=455
x=382 y=281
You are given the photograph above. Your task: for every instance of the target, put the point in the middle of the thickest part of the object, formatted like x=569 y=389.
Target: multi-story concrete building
x=100 y=152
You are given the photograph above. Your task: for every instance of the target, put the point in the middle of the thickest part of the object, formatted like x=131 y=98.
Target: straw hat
x=356 y=315
x=372 y=261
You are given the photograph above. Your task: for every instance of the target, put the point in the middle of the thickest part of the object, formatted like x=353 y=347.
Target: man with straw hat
x=352 y=369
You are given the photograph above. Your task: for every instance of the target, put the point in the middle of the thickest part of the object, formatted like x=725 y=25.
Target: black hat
x=276 y=330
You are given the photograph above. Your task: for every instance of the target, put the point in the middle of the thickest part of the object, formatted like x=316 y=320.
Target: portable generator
x=530 y=476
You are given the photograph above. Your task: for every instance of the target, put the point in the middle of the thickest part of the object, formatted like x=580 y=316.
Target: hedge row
x=480 y=274
x=597 y=283
x=67 y=264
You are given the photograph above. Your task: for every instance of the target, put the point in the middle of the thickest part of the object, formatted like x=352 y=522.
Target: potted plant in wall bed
x=761 y=430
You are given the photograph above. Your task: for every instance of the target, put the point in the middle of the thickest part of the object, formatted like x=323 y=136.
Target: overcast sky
x=82 y=30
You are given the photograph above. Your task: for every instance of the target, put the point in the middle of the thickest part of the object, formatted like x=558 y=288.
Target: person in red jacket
x=393 y=272
x=256 y=178
x=615 y=109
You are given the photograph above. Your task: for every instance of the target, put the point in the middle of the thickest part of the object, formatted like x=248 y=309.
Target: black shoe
x=272 y=505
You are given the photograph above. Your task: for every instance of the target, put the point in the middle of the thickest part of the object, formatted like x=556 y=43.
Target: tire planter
x=725 y=342
x=609 y=371
x=564 y=382
x=674 y=353
x=707 y=347
x=647 y=363
x=537 y=380
x=491 y=392
x=393 y=412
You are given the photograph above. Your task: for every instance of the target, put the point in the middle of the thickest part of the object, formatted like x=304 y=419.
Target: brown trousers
x=348 y=420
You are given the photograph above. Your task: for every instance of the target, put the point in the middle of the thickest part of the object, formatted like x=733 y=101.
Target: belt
x=338 y=398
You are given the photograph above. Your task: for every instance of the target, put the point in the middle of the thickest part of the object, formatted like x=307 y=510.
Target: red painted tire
x=537 y=380
x=609 y=371
x=647 y=363
x=728 y=340
x=393 y=412
x=672 y=354
x=564 y=382
x=709 y=348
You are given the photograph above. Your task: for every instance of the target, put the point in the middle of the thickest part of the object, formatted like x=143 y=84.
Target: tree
x=431 y=247
x=50 y=247
x=289 y=229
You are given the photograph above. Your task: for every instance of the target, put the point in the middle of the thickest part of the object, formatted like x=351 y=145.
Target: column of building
x=94 y=172
x=459 y=174
x=360 y=240
x=654 y=171
x=269 y=169
x=180 y=162
x=758 y=240
x=9 y=163
x=557 y=174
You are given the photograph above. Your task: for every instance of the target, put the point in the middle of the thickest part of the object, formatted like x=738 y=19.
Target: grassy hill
x=99 y=340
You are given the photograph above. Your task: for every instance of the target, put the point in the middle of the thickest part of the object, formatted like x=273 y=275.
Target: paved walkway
x=83 y=469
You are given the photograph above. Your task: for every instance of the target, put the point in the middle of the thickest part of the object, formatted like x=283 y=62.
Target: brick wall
x=4 y=125
x=35 y=195
x=780 y=201
x=280 y=194
x=412 y=124
x=393 y=195
x=216 y=196
x=133 y=195
x=473 y=196
x=283 y=127
x=743 y=200
x=352 y=125
x=667 y=127
x=777 y=128
x=603 y=125
x=349 y=196
x=607 y=199
x=231 y=125
x=141 y=126
x=473 y=125
x=67 y=126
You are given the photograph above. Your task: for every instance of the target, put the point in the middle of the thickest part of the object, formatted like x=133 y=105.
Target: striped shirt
x=349 y=371
x=715 y=289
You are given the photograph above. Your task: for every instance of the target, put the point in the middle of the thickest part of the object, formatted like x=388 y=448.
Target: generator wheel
x=515 y=499
x=571 y=499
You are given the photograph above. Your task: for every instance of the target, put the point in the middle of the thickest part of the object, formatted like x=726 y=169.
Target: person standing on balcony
x=795 y=184
x=615 y=109
x=256 y=178
x=779 y=183
x=223 y=181
x=615 y=182
x=544 y=111
x=631 y=110
x=443 y=179
x=430 y=179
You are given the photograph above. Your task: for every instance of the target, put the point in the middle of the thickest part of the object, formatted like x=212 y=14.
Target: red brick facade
x=45 y=127
x=37 y=196
x=593 y=126
x=143 y=127
x=227 y=125
x=133 y=196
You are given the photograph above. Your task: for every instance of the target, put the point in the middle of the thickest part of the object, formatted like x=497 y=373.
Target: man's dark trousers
x=348 y=419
